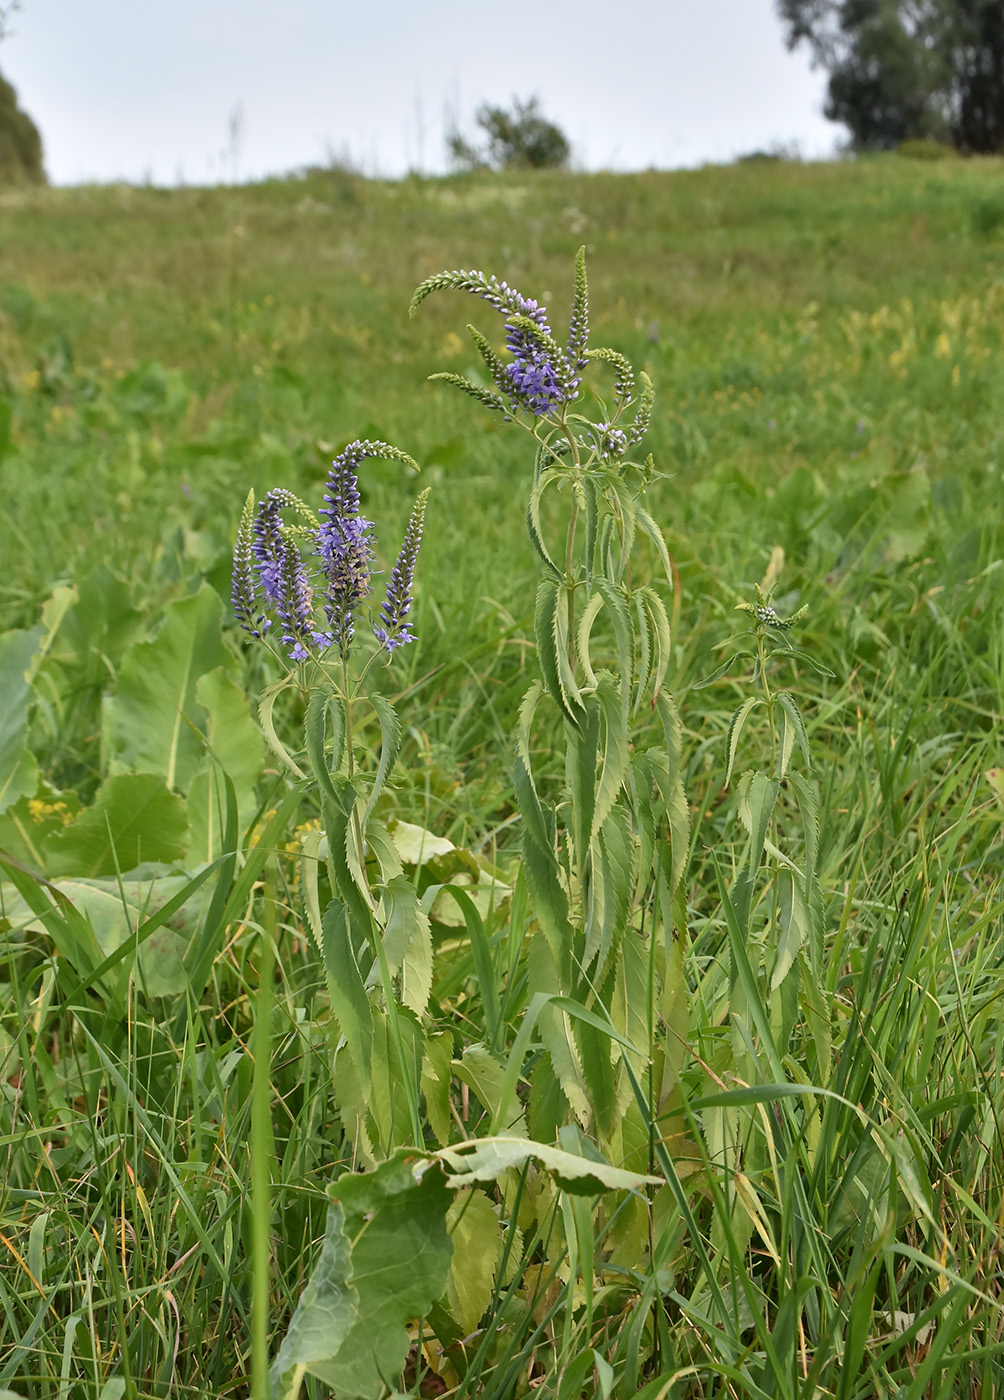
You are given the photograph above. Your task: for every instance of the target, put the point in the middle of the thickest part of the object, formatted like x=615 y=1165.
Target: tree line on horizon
x=899 y=70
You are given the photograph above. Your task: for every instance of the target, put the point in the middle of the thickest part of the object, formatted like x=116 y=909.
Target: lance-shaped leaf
x=346 y=989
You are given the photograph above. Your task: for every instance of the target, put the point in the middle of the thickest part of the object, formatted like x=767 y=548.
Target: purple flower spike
x=396 y=631
x=244 y=590
x=343 y=544
x=282 y=574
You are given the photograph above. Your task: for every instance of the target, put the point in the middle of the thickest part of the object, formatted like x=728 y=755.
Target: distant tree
x=908 y=69
x=520 y=136
x=20 y=143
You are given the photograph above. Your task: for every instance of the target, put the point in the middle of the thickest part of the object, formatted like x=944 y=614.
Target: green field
x=826 y=347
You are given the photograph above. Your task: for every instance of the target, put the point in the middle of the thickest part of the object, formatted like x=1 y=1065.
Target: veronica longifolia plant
x=605 y=834
x=303 y=583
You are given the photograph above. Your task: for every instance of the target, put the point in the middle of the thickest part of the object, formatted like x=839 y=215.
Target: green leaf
x=615 y=755
x=266 y=706
x=18 y=769
x=669 y=776
x=792 y=728
x=390 y=732
x=553 y=665
x=621 y=619
x=116 y=910
x=482 y=1072
x=477 y=1250
x=486 y=1159
x=408 y=942
x=384 y=1262
x=794 y=923
x=536 y=533
x=650 y=528
x=134 y=819
x=757 y=796
x=346 y=990
x=237 y=750
x=581 y=750
x=436 y=1075
x=656 y=612
x=152 y=724
x=736 y=723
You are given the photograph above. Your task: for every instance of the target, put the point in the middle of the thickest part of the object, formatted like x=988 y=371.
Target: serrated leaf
x=545 y=622
x=794 y=926
x=477 y=1250
x=584 y=633
x=390 y=747
x=808 y=807
x=536 y=533
x=615 y=755
x=581 y=751
x=757 y=798
x=408 y=942
x=650 y=528
x=739 y=718
x=134 y=819
x=266 y=707
x=346 y=990
x=792 y=728
x=152 y=723
x=18 y=769
x=436 y=1075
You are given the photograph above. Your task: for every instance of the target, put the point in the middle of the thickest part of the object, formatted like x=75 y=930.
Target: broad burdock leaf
x=153 y=722
x=18 y=769
x=134 y=819
x=384 y=1262
x=236 y=749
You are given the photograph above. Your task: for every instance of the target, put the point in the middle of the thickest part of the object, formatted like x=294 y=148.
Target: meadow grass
x=826 y=347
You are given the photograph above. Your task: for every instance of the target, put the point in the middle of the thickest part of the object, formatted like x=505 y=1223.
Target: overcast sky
x=150 y=89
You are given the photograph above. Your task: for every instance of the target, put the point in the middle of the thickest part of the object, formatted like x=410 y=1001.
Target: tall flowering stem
x=605 y=845
x=308 y=579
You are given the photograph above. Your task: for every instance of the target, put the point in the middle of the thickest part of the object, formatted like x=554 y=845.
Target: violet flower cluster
x=541 y=377
x=273 y=576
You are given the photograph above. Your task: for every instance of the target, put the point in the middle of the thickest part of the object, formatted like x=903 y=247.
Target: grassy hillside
x=826 y=346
